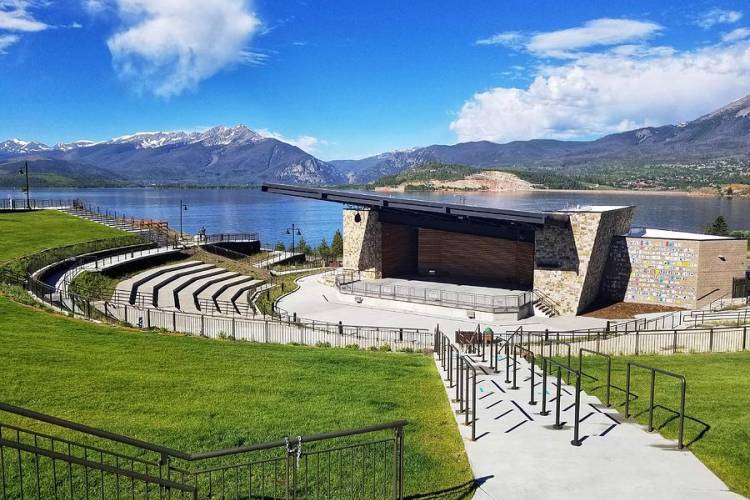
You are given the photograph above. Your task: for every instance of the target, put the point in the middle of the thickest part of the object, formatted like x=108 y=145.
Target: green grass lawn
x=196 y=394
x=718 y=394
x=24 y=233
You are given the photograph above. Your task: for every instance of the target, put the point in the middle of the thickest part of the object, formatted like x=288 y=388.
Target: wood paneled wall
x=476 y=258
x=399 y=250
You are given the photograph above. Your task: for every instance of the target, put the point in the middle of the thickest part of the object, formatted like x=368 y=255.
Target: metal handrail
x=609 y=368
x=551 y=363
x=165 y=450
x=654 y=371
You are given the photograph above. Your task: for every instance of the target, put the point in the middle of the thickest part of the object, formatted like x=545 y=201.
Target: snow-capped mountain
x=19 y=147
x=217 y=156
x=216 y=136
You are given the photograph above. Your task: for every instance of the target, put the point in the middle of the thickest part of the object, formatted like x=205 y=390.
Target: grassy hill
x=197 y=394
x=30 y=232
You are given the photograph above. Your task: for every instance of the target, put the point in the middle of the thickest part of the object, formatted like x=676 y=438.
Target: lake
x=250 y=210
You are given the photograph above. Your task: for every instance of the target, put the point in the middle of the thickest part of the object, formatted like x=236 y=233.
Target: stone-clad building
x=570 y=257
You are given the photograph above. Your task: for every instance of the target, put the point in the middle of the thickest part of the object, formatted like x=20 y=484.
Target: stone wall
x=672 y=272
x=570 y=260
x=363 y=242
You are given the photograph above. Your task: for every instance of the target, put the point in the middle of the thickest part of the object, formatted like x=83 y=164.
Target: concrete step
x=168 y=296
x=237 y=295
x=132 y=286
x=188 y=295
x=155 y=285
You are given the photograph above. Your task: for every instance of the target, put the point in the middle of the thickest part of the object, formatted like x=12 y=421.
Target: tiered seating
x=191 y=287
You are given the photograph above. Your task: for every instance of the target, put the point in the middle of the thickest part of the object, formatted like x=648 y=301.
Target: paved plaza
x=315 y=300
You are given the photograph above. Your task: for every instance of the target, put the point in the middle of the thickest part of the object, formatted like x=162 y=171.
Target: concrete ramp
x=519 y=454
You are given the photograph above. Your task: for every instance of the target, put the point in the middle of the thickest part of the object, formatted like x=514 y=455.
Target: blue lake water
x=250 y=210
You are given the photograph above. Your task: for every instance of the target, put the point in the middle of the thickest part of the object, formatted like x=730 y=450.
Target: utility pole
x=183 y=208
x=25 y=171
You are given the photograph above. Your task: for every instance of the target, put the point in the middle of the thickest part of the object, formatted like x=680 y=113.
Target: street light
x=293 y=230
x=183 y=208
x=25 y=171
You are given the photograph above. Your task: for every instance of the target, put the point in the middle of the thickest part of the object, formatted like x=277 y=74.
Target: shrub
x=322 y=344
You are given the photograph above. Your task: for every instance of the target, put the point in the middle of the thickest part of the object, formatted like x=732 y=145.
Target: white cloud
x=736 y=34
x=6 y=41
x=508 y=38
x=718 y=16
x=610 y=92
x=565 y=43
x=306 y=143
x=169 y=46
x=15 y=16
x=597 y=32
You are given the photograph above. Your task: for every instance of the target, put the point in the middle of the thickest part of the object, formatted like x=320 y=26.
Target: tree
x=337 y=244
x=279 y=246
x=323 y=249
x=718 y=227
x=302 y=246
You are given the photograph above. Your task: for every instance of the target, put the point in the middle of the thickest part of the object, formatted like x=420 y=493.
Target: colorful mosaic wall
x=653 y=271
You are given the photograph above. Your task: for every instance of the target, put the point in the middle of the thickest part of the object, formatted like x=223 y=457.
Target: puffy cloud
x=306 y=143
x=565 y=43
x=15 y=16
x=6 y=41
x=735 y=35
x=169 y=46
x=718 y=16
x=593 y=33
x=609 y=92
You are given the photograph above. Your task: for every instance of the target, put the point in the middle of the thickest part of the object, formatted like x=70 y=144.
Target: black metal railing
x=78 y=461
x=557 y=368
x=651 y=403
x=608 y=375
x=437 y=296
x=229 y=237
x=34 y=204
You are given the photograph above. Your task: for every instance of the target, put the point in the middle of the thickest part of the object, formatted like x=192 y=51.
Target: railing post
x=576 y=441
x=744 y=338
x=711 y=340
x=651 y=402
x=515 y=369
x=532 y=401
x=627 y=390
x=558 y=397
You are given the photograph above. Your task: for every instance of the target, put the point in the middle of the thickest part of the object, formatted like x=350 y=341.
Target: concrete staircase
x=191 y=287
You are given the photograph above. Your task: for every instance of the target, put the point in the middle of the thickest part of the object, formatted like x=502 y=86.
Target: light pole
x=183 y=208
x=293 y=230
x=25 y=171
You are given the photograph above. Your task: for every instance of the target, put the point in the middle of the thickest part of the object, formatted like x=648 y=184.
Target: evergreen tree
x=718 y=227
x=279 y=246
x=323 y=249
x=337 y=244
x=302 y=246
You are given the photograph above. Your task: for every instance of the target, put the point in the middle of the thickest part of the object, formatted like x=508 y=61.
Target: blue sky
x=350 y=79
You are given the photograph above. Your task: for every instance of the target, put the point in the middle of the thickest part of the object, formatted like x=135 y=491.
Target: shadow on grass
x=461 y=491
x=674 y=415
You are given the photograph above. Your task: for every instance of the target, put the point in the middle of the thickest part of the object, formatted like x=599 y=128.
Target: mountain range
x=721 y=135
x=240 y=156
x=218 y=156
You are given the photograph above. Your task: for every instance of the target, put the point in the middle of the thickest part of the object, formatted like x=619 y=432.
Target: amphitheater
x=497 y=364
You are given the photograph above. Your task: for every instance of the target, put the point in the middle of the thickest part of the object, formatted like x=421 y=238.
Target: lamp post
x=183 y=208
x=25 y=171
x=293 y=230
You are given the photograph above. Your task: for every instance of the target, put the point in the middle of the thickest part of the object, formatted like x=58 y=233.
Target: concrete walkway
x=315 y=300
x=518 y=455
